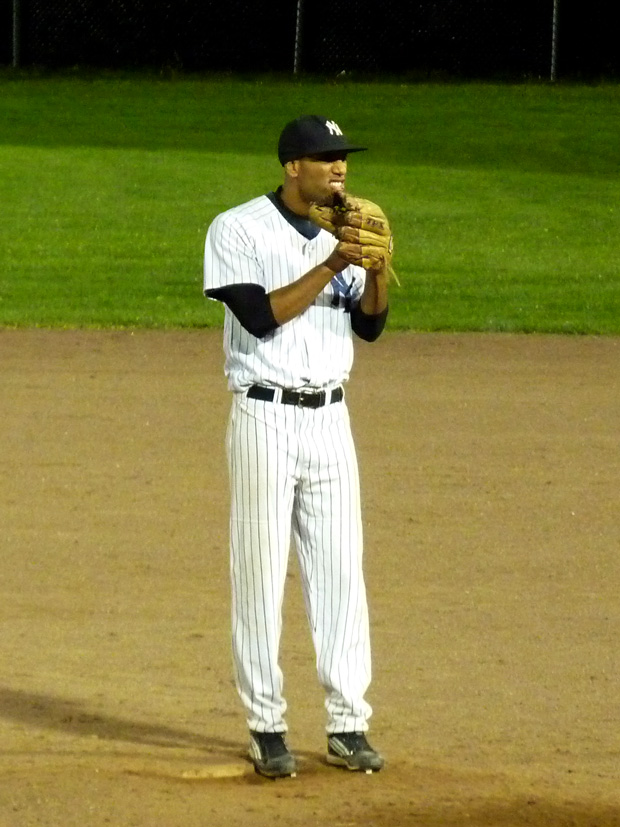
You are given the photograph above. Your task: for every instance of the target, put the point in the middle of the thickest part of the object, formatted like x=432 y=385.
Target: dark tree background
x=483 y=39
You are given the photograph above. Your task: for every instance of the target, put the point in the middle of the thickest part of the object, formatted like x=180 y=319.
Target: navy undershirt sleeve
x=250 y=304
x=366 y=326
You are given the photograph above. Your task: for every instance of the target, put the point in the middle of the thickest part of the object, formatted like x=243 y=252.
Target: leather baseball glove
x=362 y=229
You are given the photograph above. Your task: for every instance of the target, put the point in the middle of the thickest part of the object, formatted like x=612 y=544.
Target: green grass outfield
x=504 y=199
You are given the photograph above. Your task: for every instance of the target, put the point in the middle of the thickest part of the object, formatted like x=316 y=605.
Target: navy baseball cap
x=312 y=135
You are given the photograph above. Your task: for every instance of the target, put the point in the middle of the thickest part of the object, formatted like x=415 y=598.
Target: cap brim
x=347 y=148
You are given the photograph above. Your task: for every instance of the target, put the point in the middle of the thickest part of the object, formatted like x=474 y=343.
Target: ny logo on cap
x=333 y=127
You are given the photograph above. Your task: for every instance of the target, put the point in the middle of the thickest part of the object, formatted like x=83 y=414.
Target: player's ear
x=292 y=168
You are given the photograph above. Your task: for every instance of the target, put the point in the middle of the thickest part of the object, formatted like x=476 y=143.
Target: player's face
x=320 y=178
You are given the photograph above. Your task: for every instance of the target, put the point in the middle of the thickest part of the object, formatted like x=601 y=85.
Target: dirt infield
x=491 y=477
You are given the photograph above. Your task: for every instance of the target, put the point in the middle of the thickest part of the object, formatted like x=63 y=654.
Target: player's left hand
x=362 y=229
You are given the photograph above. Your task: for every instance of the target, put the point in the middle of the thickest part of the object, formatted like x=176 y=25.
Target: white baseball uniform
x=293 y=469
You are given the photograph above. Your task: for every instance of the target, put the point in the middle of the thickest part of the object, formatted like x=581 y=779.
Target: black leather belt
x=304 y=399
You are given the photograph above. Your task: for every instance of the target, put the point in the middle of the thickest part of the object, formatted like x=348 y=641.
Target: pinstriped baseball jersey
x=255 y=243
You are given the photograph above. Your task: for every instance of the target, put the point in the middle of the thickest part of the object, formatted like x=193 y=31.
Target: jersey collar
x=302 y=225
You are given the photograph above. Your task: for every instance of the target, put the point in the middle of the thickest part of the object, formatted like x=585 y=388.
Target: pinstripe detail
x=255 y=243
x=293 y=472
x=283 y=475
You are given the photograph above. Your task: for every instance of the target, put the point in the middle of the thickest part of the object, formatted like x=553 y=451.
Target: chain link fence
x=237 y=35
x=480 y=39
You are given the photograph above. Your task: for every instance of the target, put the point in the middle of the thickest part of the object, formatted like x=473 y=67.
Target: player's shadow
x=73 y=717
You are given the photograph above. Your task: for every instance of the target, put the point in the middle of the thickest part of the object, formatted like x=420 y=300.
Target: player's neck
x=290 y=198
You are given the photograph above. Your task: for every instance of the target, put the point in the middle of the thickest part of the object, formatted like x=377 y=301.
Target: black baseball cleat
x=352 y=751
x=270 y=755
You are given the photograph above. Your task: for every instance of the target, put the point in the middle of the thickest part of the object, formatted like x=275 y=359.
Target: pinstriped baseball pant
x=293 y=471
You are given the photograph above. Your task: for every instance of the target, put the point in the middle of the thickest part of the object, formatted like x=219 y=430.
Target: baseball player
x=292 y=300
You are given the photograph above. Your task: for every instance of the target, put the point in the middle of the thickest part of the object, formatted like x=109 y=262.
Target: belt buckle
x=309 y=399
